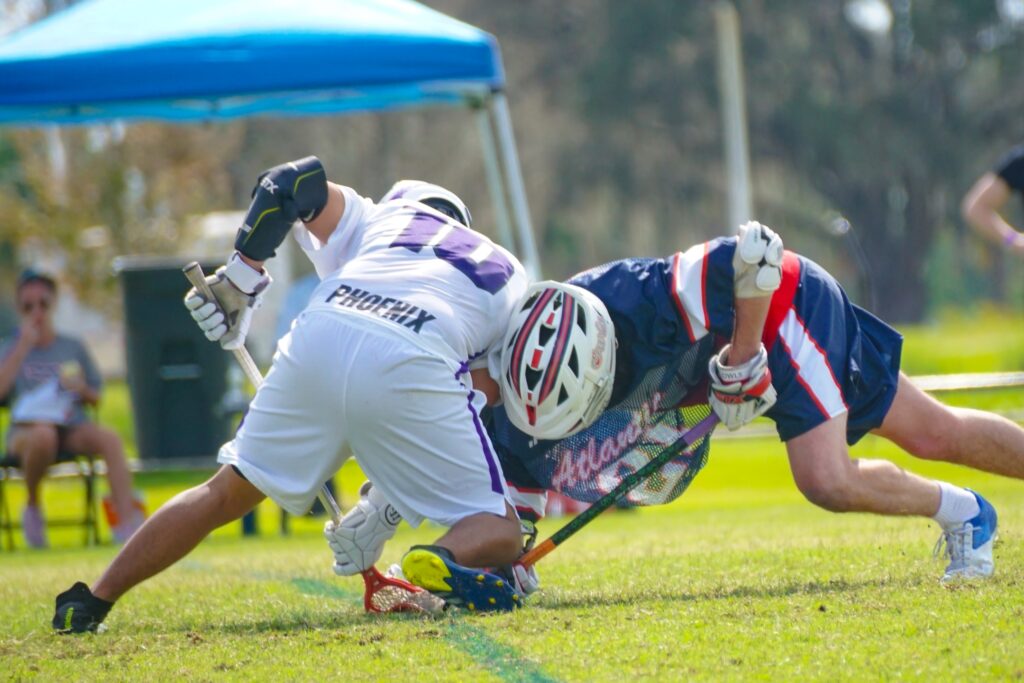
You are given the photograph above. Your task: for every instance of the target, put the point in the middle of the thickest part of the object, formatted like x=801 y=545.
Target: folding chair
x=89 y=518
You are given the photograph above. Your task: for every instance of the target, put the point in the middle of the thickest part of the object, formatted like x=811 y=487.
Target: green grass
x=740 y=579
x=984 y=340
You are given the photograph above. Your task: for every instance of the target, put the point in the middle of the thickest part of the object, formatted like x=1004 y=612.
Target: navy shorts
x=831 y=357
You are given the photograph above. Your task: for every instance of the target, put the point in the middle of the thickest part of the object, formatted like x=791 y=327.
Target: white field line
x=932 y=383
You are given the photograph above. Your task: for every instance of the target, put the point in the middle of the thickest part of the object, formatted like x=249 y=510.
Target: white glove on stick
x=757 y=263
x=358 y=540
x=239 y=291
x=740 y=393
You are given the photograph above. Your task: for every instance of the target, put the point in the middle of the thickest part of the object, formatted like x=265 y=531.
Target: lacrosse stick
x=628 y=483
x=383 y=593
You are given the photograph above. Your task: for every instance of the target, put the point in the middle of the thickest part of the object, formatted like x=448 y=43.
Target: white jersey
x=400 y=264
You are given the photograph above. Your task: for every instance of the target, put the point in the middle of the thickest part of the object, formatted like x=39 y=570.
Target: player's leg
x=176 y=528
x=166 y=537
x=836 y=371
x=286 y=448
x=423 y=446
x=35 y=446
x=829 y=478
x=90 y=437
x=484 y=539
x=975 y=438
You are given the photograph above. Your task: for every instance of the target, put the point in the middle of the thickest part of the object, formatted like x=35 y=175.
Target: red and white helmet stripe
x=558 y=360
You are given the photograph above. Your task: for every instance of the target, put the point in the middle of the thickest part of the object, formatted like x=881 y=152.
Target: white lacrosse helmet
x=557 y=361
x=434 y=196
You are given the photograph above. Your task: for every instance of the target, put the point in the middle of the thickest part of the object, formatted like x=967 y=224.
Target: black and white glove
x=358 y=540
x=757 y=262
x=742 y=392
x=238 y=290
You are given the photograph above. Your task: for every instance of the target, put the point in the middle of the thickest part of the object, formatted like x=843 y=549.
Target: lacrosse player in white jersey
x=390 y=357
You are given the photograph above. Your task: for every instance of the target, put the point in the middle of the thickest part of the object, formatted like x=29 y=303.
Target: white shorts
x=412 y=424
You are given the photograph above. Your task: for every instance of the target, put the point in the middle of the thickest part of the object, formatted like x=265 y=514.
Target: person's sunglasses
x=29 y=306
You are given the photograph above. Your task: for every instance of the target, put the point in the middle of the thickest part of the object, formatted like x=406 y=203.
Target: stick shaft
x=627 y=484
x=194 y=272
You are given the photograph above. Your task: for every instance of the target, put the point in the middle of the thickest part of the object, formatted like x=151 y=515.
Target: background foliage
x=616 y=110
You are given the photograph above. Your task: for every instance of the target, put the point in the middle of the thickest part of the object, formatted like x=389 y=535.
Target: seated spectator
x=47 y=378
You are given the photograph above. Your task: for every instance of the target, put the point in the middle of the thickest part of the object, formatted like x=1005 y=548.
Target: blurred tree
x=880 y=123
x=882 y=112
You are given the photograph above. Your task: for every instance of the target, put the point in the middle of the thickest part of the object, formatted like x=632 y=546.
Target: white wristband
x=242 y=275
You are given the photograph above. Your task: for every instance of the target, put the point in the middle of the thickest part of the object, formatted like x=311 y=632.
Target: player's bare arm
x=982 y=207
x=746 y=337
x=741 y=384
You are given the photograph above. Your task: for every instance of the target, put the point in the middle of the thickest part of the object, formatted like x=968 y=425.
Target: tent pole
x=514 y=179
x=734 y=120
x=495 y=181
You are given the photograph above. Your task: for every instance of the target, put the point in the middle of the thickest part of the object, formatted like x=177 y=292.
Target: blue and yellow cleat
x=433 y=568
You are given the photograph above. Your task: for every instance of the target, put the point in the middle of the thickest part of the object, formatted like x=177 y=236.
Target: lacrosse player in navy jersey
x=799 y=352
x=390 y=357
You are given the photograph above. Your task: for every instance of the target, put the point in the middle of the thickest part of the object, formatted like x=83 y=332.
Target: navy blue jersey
x=826 y=355
x=669 y=315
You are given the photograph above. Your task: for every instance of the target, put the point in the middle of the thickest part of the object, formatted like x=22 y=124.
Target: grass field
x=738 y=579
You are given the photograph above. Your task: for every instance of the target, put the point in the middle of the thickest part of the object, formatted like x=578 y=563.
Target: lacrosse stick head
x=393 y=594
x=386 y=593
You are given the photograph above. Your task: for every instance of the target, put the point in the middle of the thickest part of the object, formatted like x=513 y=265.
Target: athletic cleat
x=969 y=546
x=33 y=526
x=433 y=568
x=79 y=611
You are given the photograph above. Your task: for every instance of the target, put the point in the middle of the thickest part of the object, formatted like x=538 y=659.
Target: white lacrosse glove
x=757 y=263
x=358 y=540
x=239 y=291
x=740 y=393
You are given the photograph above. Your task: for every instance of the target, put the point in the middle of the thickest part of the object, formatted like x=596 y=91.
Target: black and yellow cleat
x=433 y=568
x=79 y=611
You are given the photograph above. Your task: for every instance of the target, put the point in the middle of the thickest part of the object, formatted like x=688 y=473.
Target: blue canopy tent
x=201 y=60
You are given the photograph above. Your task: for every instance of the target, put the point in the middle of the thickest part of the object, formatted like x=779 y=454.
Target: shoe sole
x=474 y=590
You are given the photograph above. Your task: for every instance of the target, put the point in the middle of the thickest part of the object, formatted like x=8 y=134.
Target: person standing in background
x=982 y=204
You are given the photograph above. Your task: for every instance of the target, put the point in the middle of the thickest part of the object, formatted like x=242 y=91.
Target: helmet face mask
x=436 y=197
x=558 y=361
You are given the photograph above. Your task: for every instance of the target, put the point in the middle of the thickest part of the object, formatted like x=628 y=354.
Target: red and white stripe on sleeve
x=689 y=291
x=529 y=503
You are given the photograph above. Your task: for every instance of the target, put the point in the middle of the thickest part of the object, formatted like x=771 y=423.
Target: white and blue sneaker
x=477 y=590
x=969 y=546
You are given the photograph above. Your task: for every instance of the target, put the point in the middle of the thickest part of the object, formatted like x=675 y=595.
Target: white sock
x=956 y=506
